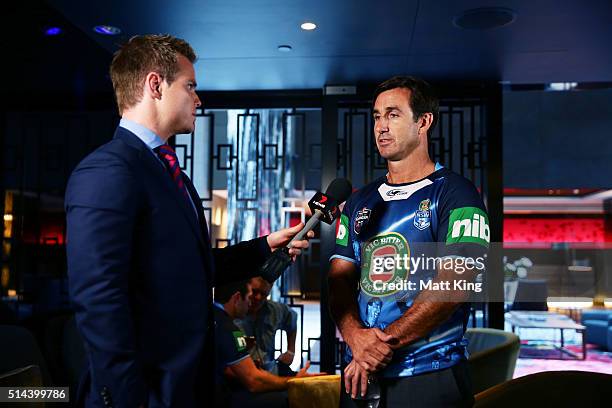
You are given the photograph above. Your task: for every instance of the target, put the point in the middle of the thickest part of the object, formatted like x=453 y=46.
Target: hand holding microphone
x=324 y=207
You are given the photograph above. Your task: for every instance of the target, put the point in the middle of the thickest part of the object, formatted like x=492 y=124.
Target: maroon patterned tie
x=168 y=156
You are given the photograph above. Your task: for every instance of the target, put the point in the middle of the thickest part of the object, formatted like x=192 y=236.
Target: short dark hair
x=223 y=293
x=141 y=55
x=422 y=99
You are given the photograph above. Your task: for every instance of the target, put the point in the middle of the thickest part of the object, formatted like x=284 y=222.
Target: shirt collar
x=148 y=137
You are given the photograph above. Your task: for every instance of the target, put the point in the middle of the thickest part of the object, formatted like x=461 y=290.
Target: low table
x=547 y=320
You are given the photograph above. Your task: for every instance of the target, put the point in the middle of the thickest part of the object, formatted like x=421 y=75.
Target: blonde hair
x=139 y=56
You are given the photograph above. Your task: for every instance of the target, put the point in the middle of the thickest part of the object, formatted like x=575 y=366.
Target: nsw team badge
x=422 y=217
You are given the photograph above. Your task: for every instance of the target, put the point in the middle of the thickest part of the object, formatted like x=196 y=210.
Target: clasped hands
x=372 y=352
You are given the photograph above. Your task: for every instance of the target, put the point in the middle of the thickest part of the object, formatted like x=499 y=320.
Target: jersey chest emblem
x=422 y=217
x=385 y=267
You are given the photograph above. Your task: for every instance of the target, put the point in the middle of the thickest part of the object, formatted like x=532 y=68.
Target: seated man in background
x=238 y=382
x=264 y=318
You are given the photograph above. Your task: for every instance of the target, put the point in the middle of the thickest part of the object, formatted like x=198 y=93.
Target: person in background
x=264 y=319
x=238 y=381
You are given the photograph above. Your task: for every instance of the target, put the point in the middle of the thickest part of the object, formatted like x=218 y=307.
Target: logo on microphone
x=326 y=205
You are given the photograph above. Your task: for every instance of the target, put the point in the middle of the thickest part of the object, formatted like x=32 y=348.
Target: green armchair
x=493 y=355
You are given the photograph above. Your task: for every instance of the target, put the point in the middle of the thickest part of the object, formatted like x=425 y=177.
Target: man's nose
x=382 y=125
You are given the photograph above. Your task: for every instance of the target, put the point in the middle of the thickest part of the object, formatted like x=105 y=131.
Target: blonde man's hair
x=139 y=56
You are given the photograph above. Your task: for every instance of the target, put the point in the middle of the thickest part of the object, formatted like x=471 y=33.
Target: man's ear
x=153 y=83
x=425 y=122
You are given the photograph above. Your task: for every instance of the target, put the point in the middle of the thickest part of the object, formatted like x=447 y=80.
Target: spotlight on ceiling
x=285 y=48
x=308 y=26
x=484 y=18
x=107 y=30
x=52 y=30
x=561 y=86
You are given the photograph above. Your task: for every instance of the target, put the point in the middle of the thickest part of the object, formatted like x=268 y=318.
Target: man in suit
x=140 y=265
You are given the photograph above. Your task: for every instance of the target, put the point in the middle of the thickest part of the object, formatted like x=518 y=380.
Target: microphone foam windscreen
x=340 y=189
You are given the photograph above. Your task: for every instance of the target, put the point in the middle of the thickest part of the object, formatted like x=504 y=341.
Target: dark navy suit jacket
x=141 y=271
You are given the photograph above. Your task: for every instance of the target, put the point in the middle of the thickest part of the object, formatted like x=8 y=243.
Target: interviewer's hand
x=371 y=348
x=279 y=239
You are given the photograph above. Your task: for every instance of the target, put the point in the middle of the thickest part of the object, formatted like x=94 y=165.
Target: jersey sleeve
x=289 y=319
x=344 y=238
x=463 y=227
x=231 y=344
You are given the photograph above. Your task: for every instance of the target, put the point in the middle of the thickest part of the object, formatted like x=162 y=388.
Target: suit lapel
x=203 y=227
x=160 y=173
x=198 y=203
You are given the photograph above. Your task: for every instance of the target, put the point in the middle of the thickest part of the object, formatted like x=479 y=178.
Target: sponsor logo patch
x=240 y=340
x=393 y=193
x=422 y=217
x=379 y=264
x=342 y=231
x=468 y=224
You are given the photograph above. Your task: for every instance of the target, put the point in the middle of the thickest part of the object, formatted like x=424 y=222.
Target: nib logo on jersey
x=468 y=224
x=342 y=230
x=240 y=340
x=380 y=278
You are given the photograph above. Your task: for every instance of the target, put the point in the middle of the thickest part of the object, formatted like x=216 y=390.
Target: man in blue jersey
x=412 y=242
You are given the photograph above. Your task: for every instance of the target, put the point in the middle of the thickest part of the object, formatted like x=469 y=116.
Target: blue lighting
x=53 y=31
x=107 y=30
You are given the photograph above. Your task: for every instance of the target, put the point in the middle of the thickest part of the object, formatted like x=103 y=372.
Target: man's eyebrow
x=387 y=109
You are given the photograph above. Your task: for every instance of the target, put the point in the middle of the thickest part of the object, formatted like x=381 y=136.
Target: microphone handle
x=312 y=222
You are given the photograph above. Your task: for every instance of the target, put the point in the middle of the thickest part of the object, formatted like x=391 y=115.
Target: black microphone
x=324 y=208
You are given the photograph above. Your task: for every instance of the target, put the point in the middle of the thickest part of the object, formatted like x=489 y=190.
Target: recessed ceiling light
x=308 y=26
x=561 y=86
x=107 y=30
x=484 y=18
x=284 y=48
x=52 y=30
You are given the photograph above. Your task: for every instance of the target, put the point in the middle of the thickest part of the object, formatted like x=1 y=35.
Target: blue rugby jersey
x=440 y=216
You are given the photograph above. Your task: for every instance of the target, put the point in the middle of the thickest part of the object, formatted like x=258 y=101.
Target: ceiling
x=356 y=41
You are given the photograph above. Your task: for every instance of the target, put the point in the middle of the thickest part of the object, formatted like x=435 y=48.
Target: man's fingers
x=303 y=244
x=294 y=252
x=387 y=338
x=380 y=353
x=355 y=383
x=366 y=365
x=295 y=229
x=348 y=376
x=307 y=365
x=364 y=384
